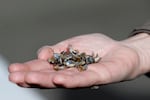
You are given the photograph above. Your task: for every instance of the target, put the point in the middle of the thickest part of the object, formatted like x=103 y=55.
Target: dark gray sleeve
x=142 y=29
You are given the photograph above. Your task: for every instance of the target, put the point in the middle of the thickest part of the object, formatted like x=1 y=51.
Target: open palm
x=118 y=63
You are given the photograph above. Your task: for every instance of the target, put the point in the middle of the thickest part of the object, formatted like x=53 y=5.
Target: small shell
x=72 y=51
x=97 y=58
x=59 y=67
x=82 y=62
x=69 y=63
x=90 y=59
x=82 y=68
x=51 y=60
x=56 y=55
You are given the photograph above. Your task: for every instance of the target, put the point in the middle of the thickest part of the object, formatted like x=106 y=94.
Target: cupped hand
x=118 y=63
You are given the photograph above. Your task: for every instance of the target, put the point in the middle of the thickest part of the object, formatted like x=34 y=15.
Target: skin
x=121 y=61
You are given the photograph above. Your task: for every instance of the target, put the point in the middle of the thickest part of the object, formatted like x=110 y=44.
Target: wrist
x=140 y=44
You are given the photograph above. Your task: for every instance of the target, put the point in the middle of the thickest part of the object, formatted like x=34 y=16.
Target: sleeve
x=142 y=29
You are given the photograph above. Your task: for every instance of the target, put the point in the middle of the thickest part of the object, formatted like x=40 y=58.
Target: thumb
x=45 y=52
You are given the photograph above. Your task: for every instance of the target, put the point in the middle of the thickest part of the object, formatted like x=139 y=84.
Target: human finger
x=45 y=52
x=32 y=79
x=76 y=79
x=18 y=78
x=33 y=65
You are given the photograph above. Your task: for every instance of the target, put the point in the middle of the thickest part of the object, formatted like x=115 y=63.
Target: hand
x=119 y=63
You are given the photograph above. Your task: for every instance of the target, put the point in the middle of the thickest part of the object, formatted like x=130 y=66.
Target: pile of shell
x=72 y=59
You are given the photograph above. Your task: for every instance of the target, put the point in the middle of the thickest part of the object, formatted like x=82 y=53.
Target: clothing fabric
x=142 y=29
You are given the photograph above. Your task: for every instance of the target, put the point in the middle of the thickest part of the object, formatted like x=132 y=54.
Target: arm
x=121 y=61
x=140 y=43
x=144 y=29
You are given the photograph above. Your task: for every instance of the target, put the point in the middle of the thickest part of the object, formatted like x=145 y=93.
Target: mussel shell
x=51 y=60
x=59 y=67
x=90 y=59
x=70 y=63
x=82 y=68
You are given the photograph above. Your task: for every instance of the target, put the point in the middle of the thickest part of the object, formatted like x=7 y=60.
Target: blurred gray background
x=26 y=25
